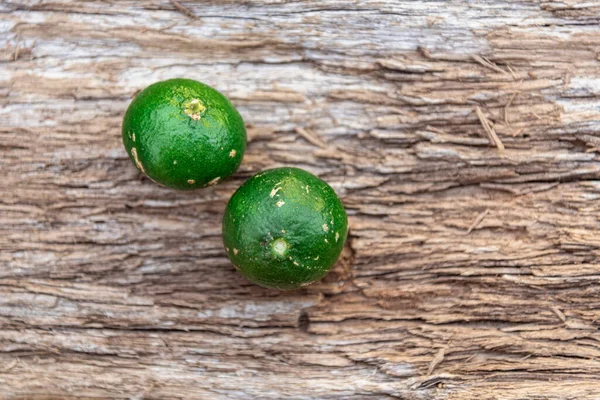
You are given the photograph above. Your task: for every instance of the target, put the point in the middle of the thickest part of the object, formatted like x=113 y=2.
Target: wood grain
x=471 y=270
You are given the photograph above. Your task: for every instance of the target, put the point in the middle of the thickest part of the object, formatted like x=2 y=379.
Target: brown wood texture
x=462 y=136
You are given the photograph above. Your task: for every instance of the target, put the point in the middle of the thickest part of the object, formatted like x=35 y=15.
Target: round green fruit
x=184 y=134
x=284 y=228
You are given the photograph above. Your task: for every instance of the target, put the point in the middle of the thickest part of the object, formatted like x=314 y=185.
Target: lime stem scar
x=280 y=247
x=194 y=109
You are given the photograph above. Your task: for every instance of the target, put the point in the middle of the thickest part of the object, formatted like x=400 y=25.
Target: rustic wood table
x=462 y=136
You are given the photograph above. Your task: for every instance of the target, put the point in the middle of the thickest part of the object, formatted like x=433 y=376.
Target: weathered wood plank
x=470 y=271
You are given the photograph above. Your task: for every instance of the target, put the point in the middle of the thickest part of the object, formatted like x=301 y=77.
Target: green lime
x=184 y=134
x=284 y=228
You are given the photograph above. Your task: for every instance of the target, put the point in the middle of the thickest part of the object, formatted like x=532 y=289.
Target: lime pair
x=283 y=228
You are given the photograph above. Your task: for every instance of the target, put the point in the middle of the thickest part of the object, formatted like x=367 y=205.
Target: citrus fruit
x=284 y=228
x=184 y=134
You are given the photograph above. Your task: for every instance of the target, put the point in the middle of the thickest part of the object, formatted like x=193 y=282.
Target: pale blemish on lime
x=283 y=231
x=280 y=203
x=227 y=248
x=191 y=181
x=194 y=109
x=137 y=160
x=296 y=263
x=274 y=191
x=306 y=283
x=280 y=247
x=306 y=189
x=235 y=251
x=316 y=258
x=337 y=236
x=232 y=153
x=174 y=162
x=133 y=136
x=214 y=181
x=326 y=241
x=325 y=227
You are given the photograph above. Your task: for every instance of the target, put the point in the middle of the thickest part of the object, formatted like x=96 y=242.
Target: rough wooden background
x=470 y=272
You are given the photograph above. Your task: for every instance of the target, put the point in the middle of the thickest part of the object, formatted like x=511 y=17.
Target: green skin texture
x=184 y=134
x=284 y=228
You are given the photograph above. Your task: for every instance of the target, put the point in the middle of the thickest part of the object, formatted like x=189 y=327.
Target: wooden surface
x=471 y=272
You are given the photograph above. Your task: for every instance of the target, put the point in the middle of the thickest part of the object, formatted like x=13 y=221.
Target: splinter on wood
x=488 y=129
